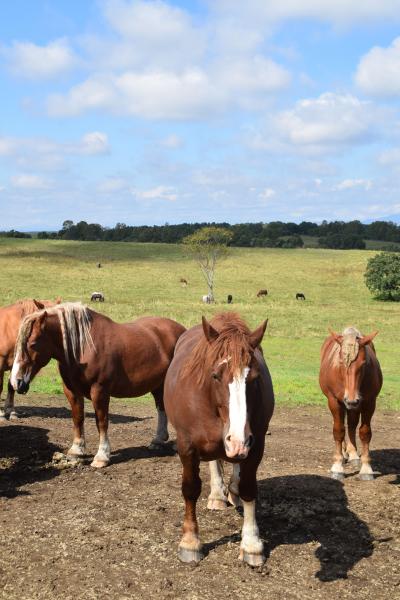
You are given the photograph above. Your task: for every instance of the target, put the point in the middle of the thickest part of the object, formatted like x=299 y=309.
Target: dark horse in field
x=97 y=358
x=10 y=320
x=218 y=395
x=351 y=379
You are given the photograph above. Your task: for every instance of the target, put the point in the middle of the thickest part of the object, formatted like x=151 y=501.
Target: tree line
x=333 y=234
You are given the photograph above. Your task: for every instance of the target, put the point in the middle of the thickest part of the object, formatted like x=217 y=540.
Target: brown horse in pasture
x=10 y=320
x=218 y=395
x=97 y=358
x=351 y=379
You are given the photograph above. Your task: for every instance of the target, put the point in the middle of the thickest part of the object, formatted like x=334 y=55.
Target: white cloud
x=172 y=141
x=378 y=72
x=266 y=194
x=31 y=61
x=338 y=12
x=94 y=142
x=30 y=182
x=349 y=184
x=390 y=157
x=160 y=192
x=328 y=122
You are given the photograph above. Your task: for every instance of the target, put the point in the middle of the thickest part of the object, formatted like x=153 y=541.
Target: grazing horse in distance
x=300 y=296
x=97 y=296
x=261 y=293
x=230 y=299
x=183 y=282
x=351 y=378
x=10 y=320
x=97 y=358
x=206 y=299
x=218 y=396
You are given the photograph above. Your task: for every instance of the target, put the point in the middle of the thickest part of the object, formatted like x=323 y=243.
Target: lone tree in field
x=382 y=276
x=208 y=245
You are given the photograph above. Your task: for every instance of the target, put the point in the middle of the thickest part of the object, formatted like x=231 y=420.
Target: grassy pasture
x=143 y=279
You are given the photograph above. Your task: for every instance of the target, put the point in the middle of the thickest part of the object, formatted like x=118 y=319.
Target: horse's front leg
x=217 y=499
x=76 y=402
x=162 y=422
x=190 y=546
x=353 y=416
x=251 y=547
x=338 y=411
x=101 y=401
x=9 y=407
x=2 y=410
x=366 y=473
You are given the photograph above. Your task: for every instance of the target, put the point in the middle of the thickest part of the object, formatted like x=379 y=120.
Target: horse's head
x=32 y=351
x=230 y=375
x=353 y=358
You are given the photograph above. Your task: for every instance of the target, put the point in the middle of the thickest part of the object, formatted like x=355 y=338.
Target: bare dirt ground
x=74 y=532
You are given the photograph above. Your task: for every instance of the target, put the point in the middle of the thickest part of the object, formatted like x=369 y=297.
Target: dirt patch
x=70 y=532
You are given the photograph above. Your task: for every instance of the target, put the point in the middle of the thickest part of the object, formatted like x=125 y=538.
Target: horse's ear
x=336 y=336
x=209 y=331
x=42 y=318
x=38 y=304
x=257 y=335
x=367 y=339
x=58 y=300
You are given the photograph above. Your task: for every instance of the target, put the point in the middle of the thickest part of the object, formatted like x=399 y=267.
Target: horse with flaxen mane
x=97 y=358
x=351 y=378
x=10 y=320
x=218 y=396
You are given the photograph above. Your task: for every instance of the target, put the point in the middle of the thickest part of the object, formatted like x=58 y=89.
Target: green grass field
x=143 y=279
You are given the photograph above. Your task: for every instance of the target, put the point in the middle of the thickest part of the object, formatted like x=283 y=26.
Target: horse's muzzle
x=236 y=449
x=22 y=386
x=352 y=404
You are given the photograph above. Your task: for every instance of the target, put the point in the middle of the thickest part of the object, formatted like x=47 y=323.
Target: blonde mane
x=75 y=324
x=232 y=343
x=350 y=347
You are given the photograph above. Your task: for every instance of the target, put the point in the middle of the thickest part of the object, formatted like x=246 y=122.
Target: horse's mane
x=350 y=347
x=75 y=324
x=232 y=345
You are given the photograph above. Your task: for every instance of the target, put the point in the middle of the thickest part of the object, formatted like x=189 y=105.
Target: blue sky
x=146 y=112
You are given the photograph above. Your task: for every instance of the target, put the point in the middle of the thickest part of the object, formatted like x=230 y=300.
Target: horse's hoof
x=254 y=560
x=157 y=445
x=366 y=476
x=234 y=499
x=14 y=416
x=355 y=463
x=99 y=464
x=216 y=504
x=338 y=476
x=3 y=419
x=187 y=556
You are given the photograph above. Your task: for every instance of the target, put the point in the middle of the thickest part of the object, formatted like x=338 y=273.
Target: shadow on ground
x=387 y=462
x=25 y=454
x=61 y=412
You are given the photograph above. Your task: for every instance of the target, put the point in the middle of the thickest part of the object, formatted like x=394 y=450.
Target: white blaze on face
x=238 y=406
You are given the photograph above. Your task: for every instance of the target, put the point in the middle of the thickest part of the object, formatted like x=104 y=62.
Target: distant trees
x=382 y=276
x=208 y=246
x=342 y=241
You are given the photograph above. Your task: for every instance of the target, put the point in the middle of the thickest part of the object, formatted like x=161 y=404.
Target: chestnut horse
x=97 y=358
x=218 y=395
x=10 y=320
x=351 y=379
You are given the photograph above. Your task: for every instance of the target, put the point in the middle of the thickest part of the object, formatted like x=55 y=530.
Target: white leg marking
x=251 y=542
x=78 y=447
x=337 y=467
x=366 y=469
x=233 y=496
x=217 y=497
x=102 y=457
x=162 y=428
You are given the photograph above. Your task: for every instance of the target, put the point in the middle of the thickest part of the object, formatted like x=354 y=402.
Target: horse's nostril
x=250 y=441
x=228 y=438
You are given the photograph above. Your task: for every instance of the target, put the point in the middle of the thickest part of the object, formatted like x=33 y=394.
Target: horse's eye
x=33 y=345
x=216 y=376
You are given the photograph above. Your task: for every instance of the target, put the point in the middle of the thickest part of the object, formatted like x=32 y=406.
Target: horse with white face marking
x=10 y=320
x=351 y=378
x=97 y=358
x=218 y=396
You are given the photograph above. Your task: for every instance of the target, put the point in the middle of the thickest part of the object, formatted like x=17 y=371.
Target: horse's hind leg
x=351 y=448
x=162 y=422
x=366 y=472
x=2 y=410
x=233 y=487
x=78 y=447
x=190 y=546
x=101 y=402
x=217 y=499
